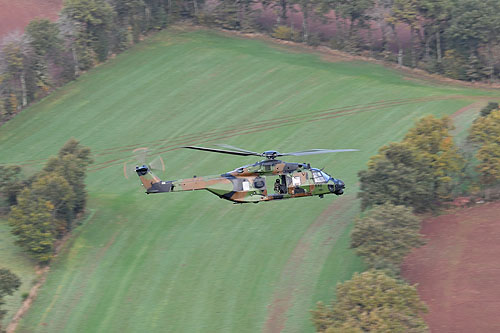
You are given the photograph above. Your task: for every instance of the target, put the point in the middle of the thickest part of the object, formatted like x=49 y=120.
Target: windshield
x=326 y=176
x=320 y=176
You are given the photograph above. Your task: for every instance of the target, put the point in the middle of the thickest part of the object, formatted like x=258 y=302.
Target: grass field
x=190 y=262
x=12 y=257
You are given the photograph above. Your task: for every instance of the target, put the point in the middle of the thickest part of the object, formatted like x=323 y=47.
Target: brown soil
x=16 y=14
x=458 y=270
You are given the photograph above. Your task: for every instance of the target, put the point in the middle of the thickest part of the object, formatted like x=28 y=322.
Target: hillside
x=189 y=261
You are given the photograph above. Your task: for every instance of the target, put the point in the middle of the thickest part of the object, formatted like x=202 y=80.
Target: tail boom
x=154 y=184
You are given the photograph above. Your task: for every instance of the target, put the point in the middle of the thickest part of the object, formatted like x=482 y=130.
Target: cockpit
x=320 y=176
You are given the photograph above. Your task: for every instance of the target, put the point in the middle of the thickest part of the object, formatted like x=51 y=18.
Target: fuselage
x=263 y=181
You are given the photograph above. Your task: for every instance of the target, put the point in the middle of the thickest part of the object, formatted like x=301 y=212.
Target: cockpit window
x=320 y=176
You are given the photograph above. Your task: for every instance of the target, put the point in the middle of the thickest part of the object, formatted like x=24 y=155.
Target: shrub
x=372 y=302
x=488 y=108
x=282 y=32
x=386 y=236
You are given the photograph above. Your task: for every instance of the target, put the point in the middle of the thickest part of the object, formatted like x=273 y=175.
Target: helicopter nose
x=339 y=186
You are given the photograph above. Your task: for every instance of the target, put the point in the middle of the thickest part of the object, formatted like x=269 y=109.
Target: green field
x=190 y=262
x=12 y=257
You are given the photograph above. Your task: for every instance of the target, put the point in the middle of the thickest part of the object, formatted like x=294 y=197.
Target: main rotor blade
x=238 y=149
x=316 y=151
x=222 y=151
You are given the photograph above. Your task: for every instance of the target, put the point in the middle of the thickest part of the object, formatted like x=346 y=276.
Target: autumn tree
x=473 y=68
x=136 y=17
x=71 y=163
x=357 y=14
x=485 y=132
x=386 y=235
x=92 y=20
x=475 y=24
x=130 y=17
x=372 y=302
x=48 y=207
x=10 y=183
x=406 y=12
x=418 y=172
x=62 y=180
x=234 y=14
x=43 y=36
x=435 y=149
x=308 y=8
x=378 y=15
x=15 y=63
x=396 y=175
x=54 y=188
x=282 y=8
x=436 y=14
x=9 y=283
x=32 y=221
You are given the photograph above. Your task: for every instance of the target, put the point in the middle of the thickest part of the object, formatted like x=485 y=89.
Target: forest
x=459 y=39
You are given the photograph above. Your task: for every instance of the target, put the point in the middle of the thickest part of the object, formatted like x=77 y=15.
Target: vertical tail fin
x=147 y=177
x=151 y=182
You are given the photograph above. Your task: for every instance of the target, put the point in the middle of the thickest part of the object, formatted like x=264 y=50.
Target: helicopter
x=269 y=179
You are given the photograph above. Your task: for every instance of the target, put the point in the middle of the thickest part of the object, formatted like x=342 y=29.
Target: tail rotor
x=141 y=154
x=157 y=164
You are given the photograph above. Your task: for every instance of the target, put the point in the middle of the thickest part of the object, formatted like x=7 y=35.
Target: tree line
x=456 y=38
x=44 y=207
x=484 y=135
x=378 y=300
x=50 y=54
x=420 y=172
x=414 y=175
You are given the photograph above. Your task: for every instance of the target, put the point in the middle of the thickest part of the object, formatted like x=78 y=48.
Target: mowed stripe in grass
x=189 y=262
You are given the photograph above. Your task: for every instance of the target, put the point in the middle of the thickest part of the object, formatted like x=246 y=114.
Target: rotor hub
x=270 y=154
x=141 y=170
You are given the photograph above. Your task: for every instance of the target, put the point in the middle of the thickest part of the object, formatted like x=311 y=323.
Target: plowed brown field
x=458 y=270
x=16 y=14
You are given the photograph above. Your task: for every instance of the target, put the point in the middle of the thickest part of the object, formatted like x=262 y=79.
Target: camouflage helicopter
x=269 y=179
